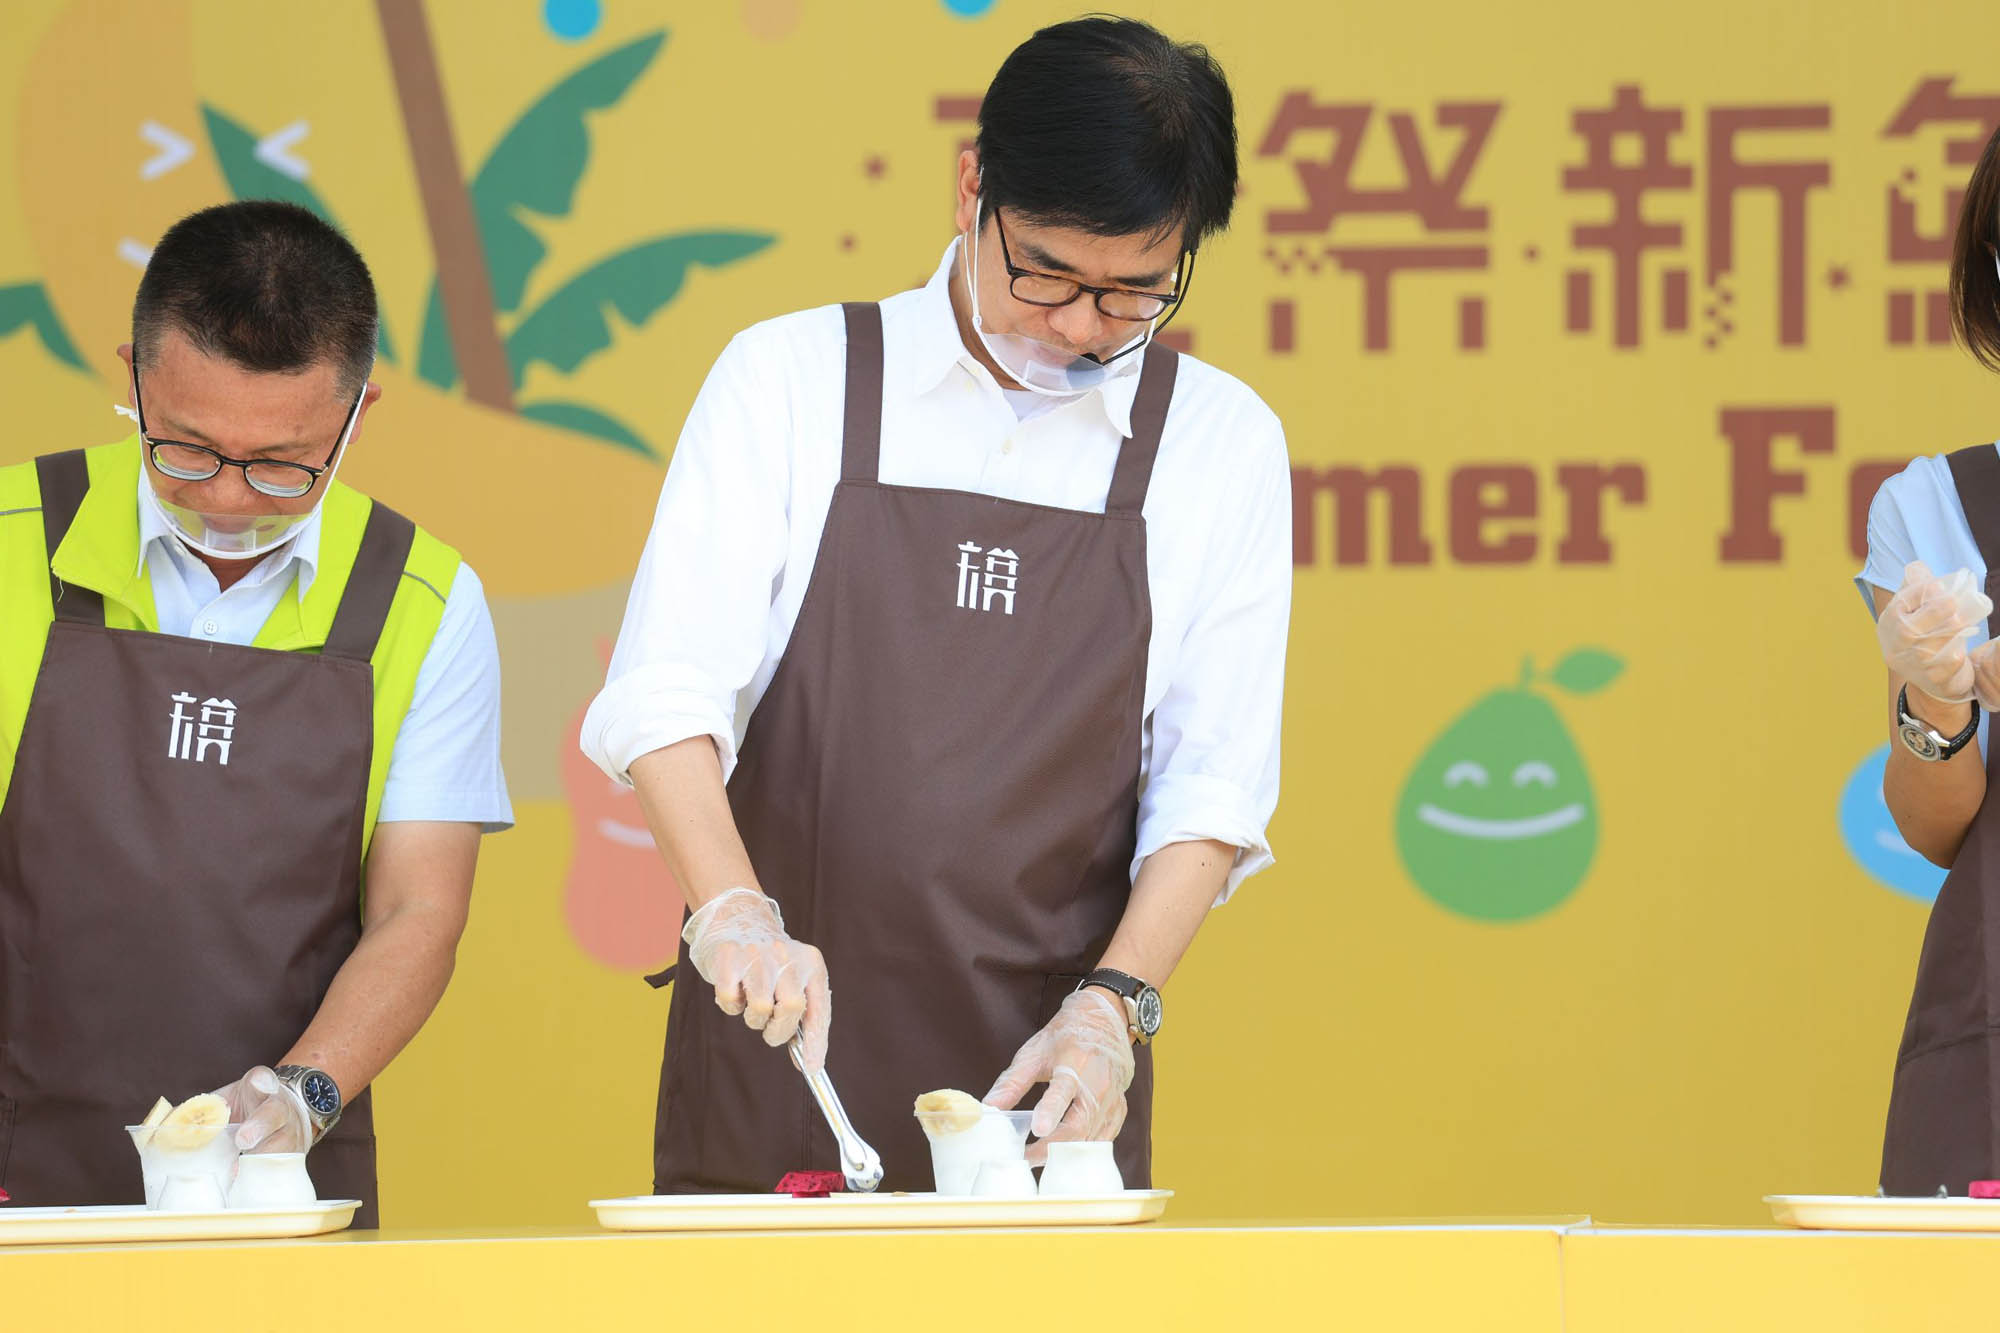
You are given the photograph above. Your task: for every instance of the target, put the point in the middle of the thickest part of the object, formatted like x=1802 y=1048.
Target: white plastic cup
x=215 y=1159
x=1012 y=1179
x=272 y=1180
x=999 y=1136
x=1076 y=1169
x=200 y=1192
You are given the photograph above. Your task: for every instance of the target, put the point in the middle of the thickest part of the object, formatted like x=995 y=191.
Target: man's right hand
x=1924 y=628
x=737 y=942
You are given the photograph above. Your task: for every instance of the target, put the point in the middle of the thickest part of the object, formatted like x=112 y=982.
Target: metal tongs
x=861 y=1164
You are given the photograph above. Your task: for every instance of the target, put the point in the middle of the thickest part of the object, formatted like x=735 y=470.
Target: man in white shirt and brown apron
x=249 y=735
x=1001 y=586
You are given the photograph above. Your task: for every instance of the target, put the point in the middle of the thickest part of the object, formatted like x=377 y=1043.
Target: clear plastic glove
x=1085 y=1056
x=269 y=1116
x=1986 y=675
x=739 y=945
x=1923 y=631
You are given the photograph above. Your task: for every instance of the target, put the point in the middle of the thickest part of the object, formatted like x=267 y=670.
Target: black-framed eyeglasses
x=1119 y=303
x=197 y=462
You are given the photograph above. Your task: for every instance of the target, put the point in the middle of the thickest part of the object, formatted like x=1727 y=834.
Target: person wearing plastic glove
x=270 y=1114
x=953 y=671
x=1085 y=1057
x=265 y=735
x=1933 y=566
x=737 y=942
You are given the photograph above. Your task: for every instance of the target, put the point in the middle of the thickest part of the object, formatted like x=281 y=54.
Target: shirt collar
x=302 y=549
x=930 y=345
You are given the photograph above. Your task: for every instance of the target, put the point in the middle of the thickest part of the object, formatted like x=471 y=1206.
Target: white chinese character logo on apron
x=192 y=736
x=979 y=588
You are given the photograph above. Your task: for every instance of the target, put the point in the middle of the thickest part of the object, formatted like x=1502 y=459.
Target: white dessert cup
x=272 y=1180
x=1075 y=1169
x=196 y=1192
x=1011 y=1179
x=956 y=1156
x=215 y=1159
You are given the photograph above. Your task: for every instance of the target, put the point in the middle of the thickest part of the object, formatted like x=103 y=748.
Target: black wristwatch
x=1143 y=1008
x=318 y=1091
x=1921 y=740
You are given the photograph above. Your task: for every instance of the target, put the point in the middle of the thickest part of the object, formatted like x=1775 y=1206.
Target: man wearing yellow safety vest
x=249 y=735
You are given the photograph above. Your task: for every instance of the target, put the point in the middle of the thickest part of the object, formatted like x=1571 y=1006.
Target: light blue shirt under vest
x=446 y=763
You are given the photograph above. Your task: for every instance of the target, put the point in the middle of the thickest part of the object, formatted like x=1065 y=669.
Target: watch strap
x=1123 y=984
x=1140 y=1000
x=1947 y=746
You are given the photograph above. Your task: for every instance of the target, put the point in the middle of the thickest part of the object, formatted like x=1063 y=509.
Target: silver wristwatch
x=318 y=1091
x=1923 y=741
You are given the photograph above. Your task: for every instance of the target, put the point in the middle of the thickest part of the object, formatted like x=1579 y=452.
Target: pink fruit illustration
x=621 y=901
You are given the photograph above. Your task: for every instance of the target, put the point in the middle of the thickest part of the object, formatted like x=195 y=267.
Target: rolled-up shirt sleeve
x=1215 y=732
x=697 y=618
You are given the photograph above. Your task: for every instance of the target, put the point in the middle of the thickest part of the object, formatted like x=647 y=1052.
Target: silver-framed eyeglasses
x=268 y=476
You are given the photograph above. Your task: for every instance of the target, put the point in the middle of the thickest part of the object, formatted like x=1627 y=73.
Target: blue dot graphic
x=572 y=20
x=1872 y=839
x=968 y=9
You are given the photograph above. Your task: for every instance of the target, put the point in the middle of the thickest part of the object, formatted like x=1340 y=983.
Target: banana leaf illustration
x=570 y=326
x=586 y=420
x=535 y=168
x=27 y=304
x=248 y=178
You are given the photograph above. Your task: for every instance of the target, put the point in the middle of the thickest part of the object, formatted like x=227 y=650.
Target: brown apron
x=940 y=788
x=180 y=872
x=1944 y=1106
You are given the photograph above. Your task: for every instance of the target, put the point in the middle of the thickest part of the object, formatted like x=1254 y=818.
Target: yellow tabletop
x=1551 y=1276
x=1163 y=1275
x=1643 y=1280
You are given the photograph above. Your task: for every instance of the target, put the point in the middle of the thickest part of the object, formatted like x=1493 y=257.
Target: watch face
x=320 y=1093
x=1919 y=742
x=1149 y=1011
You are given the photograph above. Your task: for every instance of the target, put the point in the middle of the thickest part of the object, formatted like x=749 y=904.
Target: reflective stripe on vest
x=101 y=552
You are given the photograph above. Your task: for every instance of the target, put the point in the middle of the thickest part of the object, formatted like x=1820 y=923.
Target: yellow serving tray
x=1869 y=1212
x=781 y=1212
x=99 y=1225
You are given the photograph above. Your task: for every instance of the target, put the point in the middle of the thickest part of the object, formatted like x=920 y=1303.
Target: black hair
x=266 y=285
x=1108 y=126
x=1975 y=283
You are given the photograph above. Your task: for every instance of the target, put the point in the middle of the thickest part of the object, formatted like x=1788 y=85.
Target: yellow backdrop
x=1589 y=330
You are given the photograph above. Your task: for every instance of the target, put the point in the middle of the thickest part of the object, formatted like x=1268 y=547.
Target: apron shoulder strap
x=371 y=586
x=861 y=423
x=1149 y=417
x=65 y=478
x=1976 y=473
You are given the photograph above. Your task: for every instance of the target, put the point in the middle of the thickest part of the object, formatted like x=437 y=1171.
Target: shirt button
x=210 y=627
x=1007 y=448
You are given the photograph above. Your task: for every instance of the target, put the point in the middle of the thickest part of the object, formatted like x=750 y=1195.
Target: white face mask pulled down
x=1035 y=365
x=243 y=536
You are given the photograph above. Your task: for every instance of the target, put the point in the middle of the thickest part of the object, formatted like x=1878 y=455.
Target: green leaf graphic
x=569 y=327
x=1587 y=670
x=535 y=168
x=28 y=304
x=236 y=150
x=586 y=421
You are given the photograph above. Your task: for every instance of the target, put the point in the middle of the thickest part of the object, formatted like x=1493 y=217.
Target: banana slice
x=161 y=1108
x=193 y=1124
x=948 y=1111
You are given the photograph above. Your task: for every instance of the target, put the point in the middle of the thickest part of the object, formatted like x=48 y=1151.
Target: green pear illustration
x=1498 y=822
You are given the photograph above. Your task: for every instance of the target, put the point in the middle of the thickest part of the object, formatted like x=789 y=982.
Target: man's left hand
x=1085 y=1056
x=270 y=1116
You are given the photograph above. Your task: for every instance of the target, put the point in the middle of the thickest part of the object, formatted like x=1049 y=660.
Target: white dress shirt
x=446 y=760
x=740 y=515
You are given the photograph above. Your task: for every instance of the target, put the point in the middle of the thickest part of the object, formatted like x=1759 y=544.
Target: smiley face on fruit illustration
x=1498 y=822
